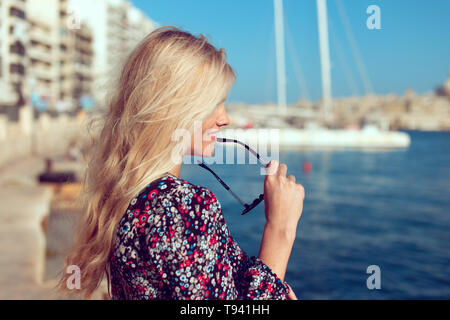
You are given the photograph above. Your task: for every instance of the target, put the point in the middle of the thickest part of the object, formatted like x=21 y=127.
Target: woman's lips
x=212 y=136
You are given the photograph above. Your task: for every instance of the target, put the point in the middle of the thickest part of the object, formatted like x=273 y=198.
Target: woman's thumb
x=272 y=167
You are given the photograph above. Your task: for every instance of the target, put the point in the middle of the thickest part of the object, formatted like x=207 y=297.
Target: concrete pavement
x=24 y=204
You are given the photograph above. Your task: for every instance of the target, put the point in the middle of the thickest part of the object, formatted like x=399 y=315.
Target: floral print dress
x=173 y=243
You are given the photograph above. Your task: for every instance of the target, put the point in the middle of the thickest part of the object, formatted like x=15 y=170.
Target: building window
x=17 y=48
x=17 y=68
x=14 y=12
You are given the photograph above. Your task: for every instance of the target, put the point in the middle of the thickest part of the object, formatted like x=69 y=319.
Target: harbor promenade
x=26 y=204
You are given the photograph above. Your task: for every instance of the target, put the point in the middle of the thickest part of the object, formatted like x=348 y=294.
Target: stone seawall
x=44 y=136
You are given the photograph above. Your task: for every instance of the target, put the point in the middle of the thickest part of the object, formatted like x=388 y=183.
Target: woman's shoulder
x=179 y=190
x=178 y=195
x=167 y=200
x=169 y=186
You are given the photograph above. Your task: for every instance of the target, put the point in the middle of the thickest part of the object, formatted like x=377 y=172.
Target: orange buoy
x=307 y=167
x=248 y=125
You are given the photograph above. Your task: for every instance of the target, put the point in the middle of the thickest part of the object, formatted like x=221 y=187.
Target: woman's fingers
x=272 y=167
x=291 y=295
x=291 y=178
x=282 y=170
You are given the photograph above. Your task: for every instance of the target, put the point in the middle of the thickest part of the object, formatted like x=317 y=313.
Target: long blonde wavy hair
x=169 y=81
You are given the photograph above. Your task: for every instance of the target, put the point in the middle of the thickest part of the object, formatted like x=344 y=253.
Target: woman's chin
x=208 y=151
x=208 y=154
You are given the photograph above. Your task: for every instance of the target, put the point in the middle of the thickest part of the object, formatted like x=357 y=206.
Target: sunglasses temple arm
x=222 y=183
x=253 y=204
x=256 y=154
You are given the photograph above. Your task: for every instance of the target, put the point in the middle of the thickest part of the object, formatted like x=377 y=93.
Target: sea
x=375 y=224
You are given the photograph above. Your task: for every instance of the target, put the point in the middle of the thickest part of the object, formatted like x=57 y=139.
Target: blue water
x=385 y=208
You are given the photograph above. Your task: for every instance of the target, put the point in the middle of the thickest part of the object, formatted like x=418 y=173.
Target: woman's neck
x=175 y=170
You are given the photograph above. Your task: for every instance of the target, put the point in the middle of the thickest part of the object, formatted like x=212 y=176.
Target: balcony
x=40 y=54
x=66 y=69
x=63 y=6
x=20 y=4
x=40 y=36
x=66 y=87
x=83 y=71
x=16 y=78
x=42 y=72
x=16 y=59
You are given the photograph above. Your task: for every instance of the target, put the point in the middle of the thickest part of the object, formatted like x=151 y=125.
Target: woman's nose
x=223 y=120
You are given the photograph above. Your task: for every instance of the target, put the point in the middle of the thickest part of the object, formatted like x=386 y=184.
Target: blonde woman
x=152 y=233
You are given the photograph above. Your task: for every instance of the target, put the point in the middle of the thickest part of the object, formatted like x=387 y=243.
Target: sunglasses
x=254 y=203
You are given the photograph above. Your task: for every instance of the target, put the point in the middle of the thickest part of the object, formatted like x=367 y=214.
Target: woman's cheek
x=208 y=149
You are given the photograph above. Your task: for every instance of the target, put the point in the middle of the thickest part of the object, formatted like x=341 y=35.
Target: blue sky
x=411 y=50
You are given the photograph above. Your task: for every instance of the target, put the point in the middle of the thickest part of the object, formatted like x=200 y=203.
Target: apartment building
x=117 y=26
x=83 y=55
x=13 y=60
x=54 y=52
x=75 y=58
x=69 y=48
x=42 y=49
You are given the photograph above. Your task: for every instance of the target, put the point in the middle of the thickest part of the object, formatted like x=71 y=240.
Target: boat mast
x=281 y=70
x=324 y=57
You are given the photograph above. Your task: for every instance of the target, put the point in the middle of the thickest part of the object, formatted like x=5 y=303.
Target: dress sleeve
x=191 y=250
x=255 y=280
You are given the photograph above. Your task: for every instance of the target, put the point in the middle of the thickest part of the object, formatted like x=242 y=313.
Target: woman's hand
x=291 y=295
x=283 y=205
x=283 y=198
